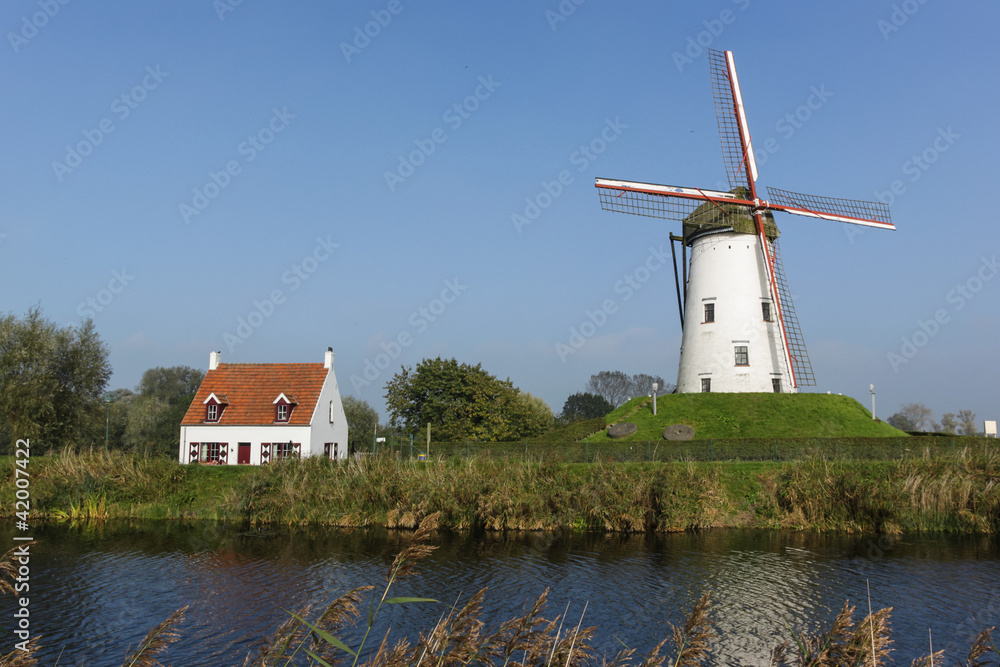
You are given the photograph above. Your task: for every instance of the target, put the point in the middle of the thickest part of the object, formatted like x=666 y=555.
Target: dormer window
x=215 y=405
x=283 y=406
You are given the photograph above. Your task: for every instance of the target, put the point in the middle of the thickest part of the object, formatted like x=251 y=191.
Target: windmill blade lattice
x=729 y=124
x=869 y=211
x=793 y=334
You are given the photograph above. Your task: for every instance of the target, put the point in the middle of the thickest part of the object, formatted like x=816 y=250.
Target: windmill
x=740 y=332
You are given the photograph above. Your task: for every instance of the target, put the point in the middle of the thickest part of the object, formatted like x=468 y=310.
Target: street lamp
x=871 y=388
x=108 y=399
x=656 y=386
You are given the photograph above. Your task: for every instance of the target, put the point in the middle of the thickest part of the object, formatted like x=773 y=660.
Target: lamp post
x=871 y=388
x=108 y=399
x=656 y=386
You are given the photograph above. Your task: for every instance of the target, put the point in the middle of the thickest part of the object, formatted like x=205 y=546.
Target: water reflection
x=97 y=589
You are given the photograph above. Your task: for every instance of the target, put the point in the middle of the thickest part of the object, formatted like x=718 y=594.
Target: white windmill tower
x=740 y=333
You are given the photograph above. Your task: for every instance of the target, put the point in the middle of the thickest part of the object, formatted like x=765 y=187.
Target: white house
x=251 y=414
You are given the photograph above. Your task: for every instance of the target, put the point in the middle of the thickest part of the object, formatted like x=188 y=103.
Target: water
x=95 y=591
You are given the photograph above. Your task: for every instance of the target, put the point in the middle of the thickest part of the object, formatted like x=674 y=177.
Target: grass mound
x=717 y=415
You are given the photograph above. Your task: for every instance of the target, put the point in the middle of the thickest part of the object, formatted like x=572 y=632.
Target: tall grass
x=957 y=493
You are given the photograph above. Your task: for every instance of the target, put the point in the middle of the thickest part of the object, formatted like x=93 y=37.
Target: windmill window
x=709 y=312
x=706 y=385
x=742 y=358
x=766 y=308
x=776 y=384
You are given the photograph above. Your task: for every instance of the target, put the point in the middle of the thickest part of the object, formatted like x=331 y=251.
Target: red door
x=243 y=455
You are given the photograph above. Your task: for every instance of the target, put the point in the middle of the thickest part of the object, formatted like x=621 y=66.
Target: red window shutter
x=265 y=452
x=194 y=453
x=223 y=452
x=297 y=450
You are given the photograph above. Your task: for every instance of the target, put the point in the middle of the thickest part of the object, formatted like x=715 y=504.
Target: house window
x=766 y=308
x=706 y=385
x=742 y=359
x=284 y=450
x=213 y=413
x=282 y=413
x=331 y=412
x=709 y=312
x=208 y=452
x=330 y=450
x=776 y=384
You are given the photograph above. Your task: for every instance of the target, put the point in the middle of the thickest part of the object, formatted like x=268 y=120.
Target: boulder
x=678 y=432
x=622 y=430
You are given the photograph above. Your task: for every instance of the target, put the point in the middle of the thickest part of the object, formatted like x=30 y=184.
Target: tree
x=540 y=418
x=912 y=417
x=155 y=414
x=362 y=419
x=616 y=387
x=967 y=421
x=585 y=406
x=51 y=380
x=461 y=402
x=949 y=423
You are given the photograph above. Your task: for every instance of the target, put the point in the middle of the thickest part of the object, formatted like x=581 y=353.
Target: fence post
x=711 y=451
x=900 y=440
x=775 y=449
x=411 y=445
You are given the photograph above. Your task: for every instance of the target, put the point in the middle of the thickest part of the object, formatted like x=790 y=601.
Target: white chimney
x=213 y=360
x=328 y=358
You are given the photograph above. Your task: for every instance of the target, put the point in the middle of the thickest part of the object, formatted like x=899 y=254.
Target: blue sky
x=173 y=169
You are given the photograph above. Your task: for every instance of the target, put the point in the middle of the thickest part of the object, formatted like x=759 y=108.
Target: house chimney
x=328 y=358
x=213 y=360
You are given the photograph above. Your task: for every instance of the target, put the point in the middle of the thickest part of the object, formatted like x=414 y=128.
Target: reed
x=959 y=493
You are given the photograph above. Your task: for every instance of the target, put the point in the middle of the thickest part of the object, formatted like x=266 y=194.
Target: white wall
x=727 y=269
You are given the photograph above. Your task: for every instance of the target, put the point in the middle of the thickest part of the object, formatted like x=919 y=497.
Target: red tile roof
x=251 y=390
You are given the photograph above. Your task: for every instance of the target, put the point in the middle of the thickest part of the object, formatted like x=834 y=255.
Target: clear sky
x=268 y=180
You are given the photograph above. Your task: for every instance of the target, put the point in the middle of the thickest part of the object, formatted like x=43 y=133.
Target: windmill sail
x=801 y=365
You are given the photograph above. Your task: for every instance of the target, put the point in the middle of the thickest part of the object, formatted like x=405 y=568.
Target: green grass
x=956 y=492
x=719 y=416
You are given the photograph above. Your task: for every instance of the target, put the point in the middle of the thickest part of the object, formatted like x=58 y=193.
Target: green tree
x=540 y=418
x=362 y=420
x=949 y=423
x=51 y=381
x=584 y=406
x=461 y=402
x=155 y=415
x=616 y=387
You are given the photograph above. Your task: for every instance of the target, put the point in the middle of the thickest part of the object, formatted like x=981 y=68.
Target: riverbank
x=958 y=494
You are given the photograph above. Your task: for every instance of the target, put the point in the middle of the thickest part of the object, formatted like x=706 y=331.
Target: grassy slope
x=716 y=415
